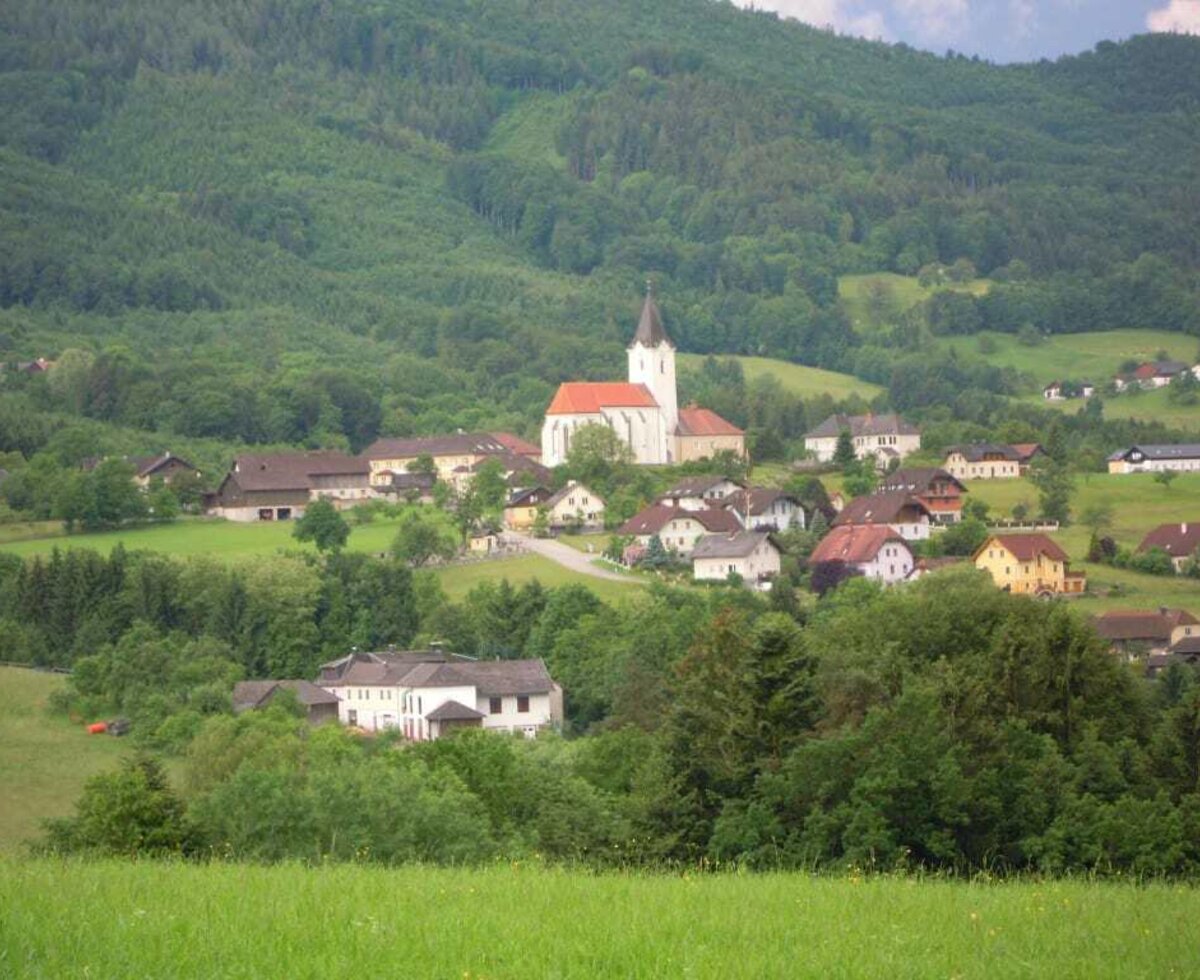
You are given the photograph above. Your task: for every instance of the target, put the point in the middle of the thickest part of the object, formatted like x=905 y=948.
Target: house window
x=351 y=717
x=522 y=703
x=495 y=705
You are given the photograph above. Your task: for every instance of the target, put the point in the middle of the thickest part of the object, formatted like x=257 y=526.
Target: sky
x=998 y=30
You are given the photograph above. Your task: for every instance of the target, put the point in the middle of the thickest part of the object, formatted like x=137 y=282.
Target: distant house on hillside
x=1137 y=631
x=1181 y=541
x=678 y=529
x=871 y=550
x=1057 y=391
x=428 y=693
x=701 y=492
x=1029 y=564
x=766 y=509
x=939 y=491
x=319 y=705
x=280 y=486
x=983 y=461
x=575 y=505
x=885 y=437
x=1154 y=458
x=1151 y=374
x=899 y=510
x=751 y=555
x=166 y=467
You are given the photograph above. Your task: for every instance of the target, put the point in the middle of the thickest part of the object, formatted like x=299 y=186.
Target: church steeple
x=650 y=332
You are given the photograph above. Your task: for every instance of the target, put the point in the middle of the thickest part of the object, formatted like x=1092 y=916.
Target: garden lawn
x=458 y=580
x=800 y=380
x=44 y=759
x=114 y=919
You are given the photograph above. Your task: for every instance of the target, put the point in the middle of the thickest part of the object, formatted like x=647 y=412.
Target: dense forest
x=285 y=222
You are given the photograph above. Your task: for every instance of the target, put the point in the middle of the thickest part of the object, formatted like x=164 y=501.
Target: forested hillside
x=288 y=221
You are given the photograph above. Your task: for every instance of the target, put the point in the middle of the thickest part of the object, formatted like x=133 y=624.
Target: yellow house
x=1029 y=564
x=520 y=513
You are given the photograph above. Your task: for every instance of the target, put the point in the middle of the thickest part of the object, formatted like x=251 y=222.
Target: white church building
x=643 y=411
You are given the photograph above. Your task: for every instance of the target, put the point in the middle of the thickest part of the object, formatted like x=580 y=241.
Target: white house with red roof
x=643 y=411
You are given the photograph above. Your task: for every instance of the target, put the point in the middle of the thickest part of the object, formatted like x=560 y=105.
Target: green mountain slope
x=278 y=221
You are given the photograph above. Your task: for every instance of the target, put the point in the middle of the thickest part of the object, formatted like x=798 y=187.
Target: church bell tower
x=652 y=363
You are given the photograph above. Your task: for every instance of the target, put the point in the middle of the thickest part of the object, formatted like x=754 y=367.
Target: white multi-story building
x=427 y=694
x=884 y=436
x=1184 y=458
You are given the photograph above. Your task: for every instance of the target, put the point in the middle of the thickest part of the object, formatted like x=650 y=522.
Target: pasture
x=798 y=379
x=875 y=299
x=44 y=758
x=76 y=919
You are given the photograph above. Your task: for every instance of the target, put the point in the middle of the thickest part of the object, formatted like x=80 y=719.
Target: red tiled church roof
x=589 y=397
x=696 y=421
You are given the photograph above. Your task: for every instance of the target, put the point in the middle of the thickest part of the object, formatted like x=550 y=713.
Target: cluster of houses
x=1158 y=638
x=1148 y=375
x=422 y=694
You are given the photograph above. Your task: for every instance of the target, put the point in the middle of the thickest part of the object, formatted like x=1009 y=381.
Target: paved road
x=568 y=557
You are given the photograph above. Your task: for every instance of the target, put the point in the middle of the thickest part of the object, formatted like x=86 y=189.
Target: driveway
x=568 y=557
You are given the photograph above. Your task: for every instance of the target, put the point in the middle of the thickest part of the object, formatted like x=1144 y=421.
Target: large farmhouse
x=280 y=486
x=642 y=411
x=885 y=437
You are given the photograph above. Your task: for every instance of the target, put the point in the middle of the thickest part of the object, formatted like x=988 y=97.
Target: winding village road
x=568 y=557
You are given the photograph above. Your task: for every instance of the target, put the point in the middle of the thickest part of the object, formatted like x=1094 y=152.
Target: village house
x=521 y=510
x=765 y=509
x=898 y=509
x=1029 y=564
x=874 y=551
x=415 y=488
x=451 y=454
x=318 y=704
x=426 y=694
x=1151 y=374
x=167 y=468
x=575 y=506
x=1154 y=458
x=678 y=529
x=278 y=487
x=884 y=437
x=983 y=461
x=1181 y=541
x=1028 y=453
x=939 y=491
x=1184 y=651
x=642 y=411
x=1057 y=391
x=701 y=492
x=751 y=555
x=1134 y=632
x=519 y=471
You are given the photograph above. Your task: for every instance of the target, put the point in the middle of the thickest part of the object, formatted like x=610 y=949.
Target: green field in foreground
x=44 y=759
x=110 y=919
x=807 y=382
x=1091 y=357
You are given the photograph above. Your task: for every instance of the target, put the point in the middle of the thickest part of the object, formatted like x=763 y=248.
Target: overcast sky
x=1000 y=30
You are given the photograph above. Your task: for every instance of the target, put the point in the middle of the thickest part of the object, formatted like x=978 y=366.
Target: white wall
x=894 y=563
x=654 y=367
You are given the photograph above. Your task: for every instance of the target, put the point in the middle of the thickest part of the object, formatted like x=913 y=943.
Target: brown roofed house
x=938 y=490
x=900 y=510
x=1029 y=564
x=677 y=528
x=1136 y=631
x=319 y=705
x=1181 y=541
x=871 y=550
x=279 y=486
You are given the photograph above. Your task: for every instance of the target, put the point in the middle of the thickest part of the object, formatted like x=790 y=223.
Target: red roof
x=655 y=517
x=589 y=397
x=854 y=544
x=1026 y=547
x=696 y=421
x=1177 y=540
x=515 y=444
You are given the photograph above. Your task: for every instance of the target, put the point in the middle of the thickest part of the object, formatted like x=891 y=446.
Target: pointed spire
x=650 y=332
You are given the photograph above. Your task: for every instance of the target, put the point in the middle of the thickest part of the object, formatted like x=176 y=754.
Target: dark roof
x=528 y=497
x=918 y=479
x=1142 y=624
x=1182 y=450
x=760 y=500
x=737 y=545
x=455 y=444
x=402 y=482
x=978 y=451
x=515 y=463
x=148 y=465
x=293 y=471
x=1177 y=540
x=650 y=332
x=453 y=711
x=336 y=670
x=1187 y=646
x=425 y=669
x=655 y=517
x=881 y=508
x=696 y=486
x=855 y=543
x=863 y=425
x=253 y=694
x=1026 y=547
x=1027 y=450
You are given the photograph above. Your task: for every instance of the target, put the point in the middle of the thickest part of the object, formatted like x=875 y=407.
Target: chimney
x=1183 y=528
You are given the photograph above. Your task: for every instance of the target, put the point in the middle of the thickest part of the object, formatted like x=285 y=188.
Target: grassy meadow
x=44 y=759
x=72 y=919
x=806 y=382
x=862 y=295
x=458 y=580
x=1152 y=406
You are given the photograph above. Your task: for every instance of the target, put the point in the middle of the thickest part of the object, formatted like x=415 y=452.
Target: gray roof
x=650 y=332
x=737 y=545
x=760 y=499
x=253 y=694
x=455 y=444
x=293 y=471
x=453 y=711
x=488 y=677
x=918 y=479
x=886 y=424
x=976 y=452
x=696 y=486
x=887 y=507
x=1182 y=450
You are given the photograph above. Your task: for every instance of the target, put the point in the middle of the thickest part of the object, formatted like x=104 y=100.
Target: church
x=642 y=411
